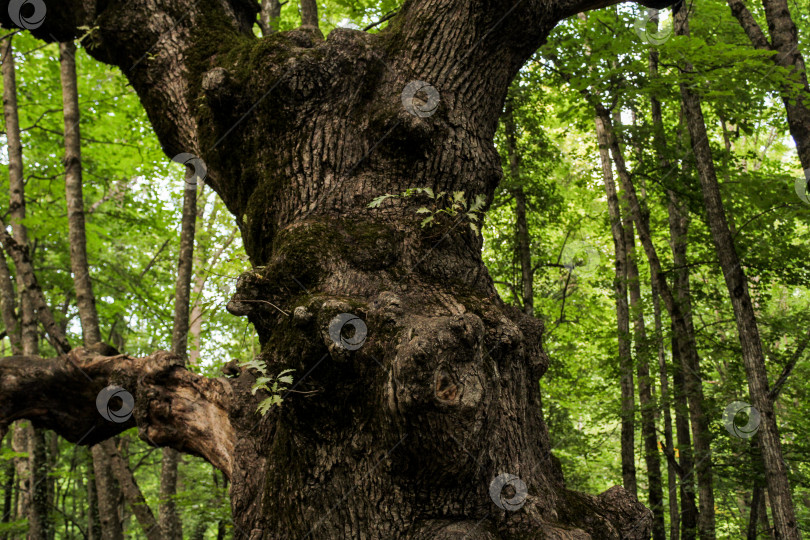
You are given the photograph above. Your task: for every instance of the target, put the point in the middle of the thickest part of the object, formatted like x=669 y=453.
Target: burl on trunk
x=414 y=411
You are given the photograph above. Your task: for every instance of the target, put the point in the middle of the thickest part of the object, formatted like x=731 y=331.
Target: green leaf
x=478 y=204
x=377 y=201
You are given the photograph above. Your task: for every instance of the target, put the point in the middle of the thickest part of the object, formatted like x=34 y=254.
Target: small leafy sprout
x=453 y=204
x=274 y=385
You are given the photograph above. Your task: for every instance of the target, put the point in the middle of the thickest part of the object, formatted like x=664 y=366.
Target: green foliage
x=274 y=385
x=455 y=205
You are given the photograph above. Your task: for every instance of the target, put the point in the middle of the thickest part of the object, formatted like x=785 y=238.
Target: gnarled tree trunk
x=412 y=434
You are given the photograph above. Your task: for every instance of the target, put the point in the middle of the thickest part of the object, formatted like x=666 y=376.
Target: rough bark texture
x=737 y=284
x=403 y=437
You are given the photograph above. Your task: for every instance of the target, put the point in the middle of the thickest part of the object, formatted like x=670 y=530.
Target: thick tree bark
x=737 y=283
x=406 y=436
x=785 y=43
x=522 y=239
x=628 y=430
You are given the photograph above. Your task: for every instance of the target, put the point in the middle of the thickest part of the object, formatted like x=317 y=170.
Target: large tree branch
x=172 y=406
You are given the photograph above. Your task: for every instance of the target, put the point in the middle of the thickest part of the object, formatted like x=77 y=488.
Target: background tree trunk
x=522 y=240
x=778 y=487
x=622 y=313
x=31 y=440
x=785 y=42
x=655 y=495
x=170 y=522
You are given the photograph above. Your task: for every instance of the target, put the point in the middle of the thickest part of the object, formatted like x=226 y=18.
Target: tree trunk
x=134 y=497
x=8 y=306
x=413 y=432
x=107 y=489
x=666 y=400
x=170 y=522
x=309 y=14
x=659 y=142
x=93 y=519
x=689 y=511
x=753 y=360
x=269 y=16
x=785 y=43
x=646 y=402
x=622 y=314
x=36 y=496
x=699 y=420
x=522 y=240
x=8 y=495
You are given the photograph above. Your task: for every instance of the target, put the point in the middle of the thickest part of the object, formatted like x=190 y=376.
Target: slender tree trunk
x=655 y=496
x=8 y=306
x=269 y=16
x=669 y=446
x=645 y=382
x=134 y=497
x=622 y=313
x=85 y=299
x=699 y=420
x=689 y=511
x=736 y=281
x=36 y=496
x=93 y=519
x=108 y=492
x=169 y=519
x=785 y=42
x=8 y=496
x=522 y=240
x=309 y=14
